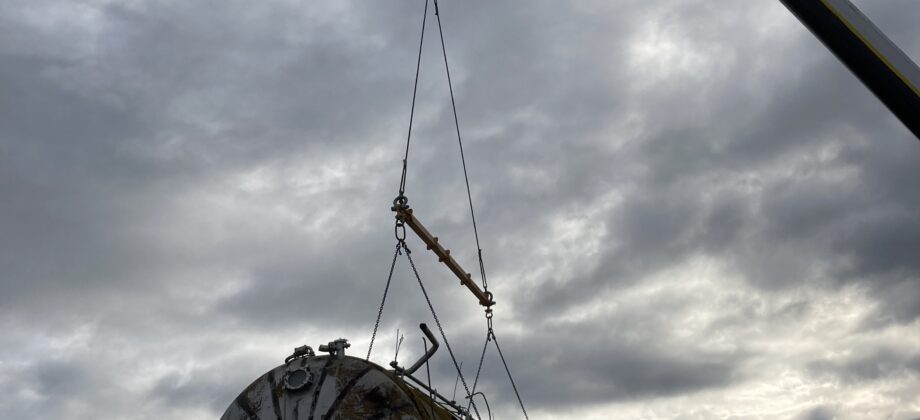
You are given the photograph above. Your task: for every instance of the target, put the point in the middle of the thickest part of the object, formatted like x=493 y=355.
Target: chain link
x=399 y=231
x=383 y=301
x=437 y=321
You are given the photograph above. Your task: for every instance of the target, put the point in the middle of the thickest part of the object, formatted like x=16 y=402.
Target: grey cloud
x=819 y=413
x=128 y=132
x=874 y=364
x=588 y=366
x=599 y=369
x=56 y=377
x=211 y=387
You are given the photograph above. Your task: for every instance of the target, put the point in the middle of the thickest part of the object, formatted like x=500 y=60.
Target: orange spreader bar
x=404 y=214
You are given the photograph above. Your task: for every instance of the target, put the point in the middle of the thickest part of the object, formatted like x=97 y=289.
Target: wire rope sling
x=405 y=217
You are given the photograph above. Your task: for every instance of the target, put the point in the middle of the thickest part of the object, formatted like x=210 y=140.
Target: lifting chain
x=437 y=321
x=401 y=203
x=399 y=231
x=384 y=299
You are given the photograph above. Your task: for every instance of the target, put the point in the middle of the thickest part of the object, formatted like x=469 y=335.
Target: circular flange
x=298 y=379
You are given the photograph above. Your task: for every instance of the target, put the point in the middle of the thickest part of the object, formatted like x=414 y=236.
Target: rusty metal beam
x=404 y=214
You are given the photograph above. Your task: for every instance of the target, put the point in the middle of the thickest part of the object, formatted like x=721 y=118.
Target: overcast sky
x=688 y=209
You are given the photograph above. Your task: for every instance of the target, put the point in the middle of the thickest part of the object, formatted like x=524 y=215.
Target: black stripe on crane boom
x=867 y=52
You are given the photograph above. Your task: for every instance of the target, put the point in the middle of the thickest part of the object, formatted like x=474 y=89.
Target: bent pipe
x=428 y=354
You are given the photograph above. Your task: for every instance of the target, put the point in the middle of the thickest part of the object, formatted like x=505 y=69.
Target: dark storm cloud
x=699 y=194
x=82 y=171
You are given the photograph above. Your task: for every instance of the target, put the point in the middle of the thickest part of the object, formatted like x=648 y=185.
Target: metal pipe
x=444 y=400
x=428 y=354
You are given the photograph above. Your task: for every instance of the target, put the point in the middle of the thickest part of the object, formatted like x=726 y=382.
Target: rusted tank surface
x=333 y=386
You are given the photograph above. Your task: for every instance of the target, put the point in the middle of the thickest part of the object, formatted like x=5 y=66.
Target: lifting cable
x=418 y=66
x=401 y=202
x=466 y=178
x=490 y=334
x=508 y=371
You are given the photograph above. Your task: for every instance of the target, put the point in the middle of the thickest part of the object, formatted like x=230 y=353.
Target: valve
x=335 y=348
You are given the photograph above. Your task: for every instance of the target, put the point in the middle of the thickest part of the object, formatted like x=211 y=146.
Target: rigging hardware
x=405 y=215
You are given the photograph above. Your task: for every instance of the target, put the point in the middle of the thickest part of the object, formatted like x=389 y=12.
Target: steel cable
x=418 y=66
x=401 y=199
x=513 y=385
x=482 y=357
x=466 y=177
x=469 y=195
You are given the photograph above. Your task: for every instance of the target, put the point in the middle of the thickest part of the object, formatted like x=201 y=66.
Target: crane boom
x=867 y=52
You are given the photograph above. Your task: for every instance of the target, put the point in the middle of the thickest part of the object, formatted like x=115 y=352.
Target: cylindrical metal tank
x=332 y=387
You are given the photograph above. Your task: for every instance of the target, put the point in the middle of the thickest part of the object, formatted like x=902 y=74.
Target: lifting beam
x=404 y=215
